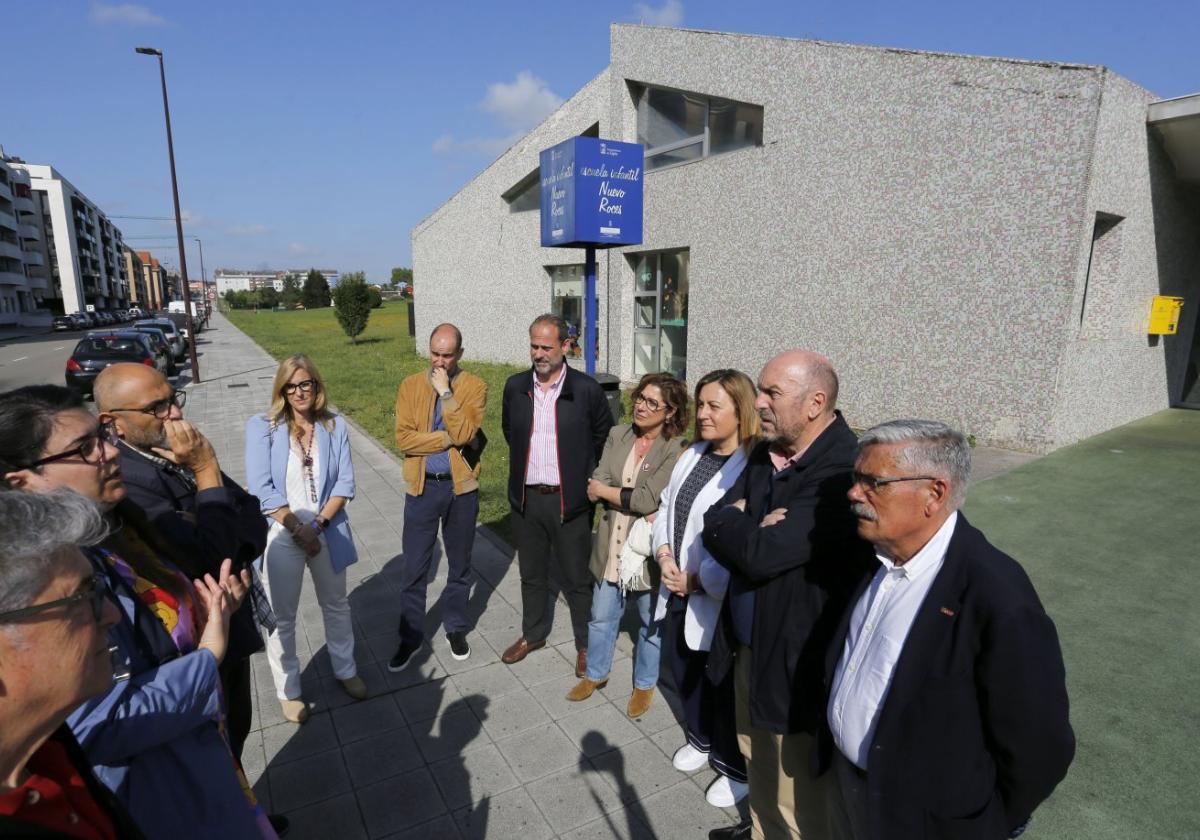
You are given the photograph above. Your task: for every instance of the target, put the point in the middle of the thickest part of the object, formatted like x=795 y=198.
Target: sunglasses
x=91 y=590
x=91 y=450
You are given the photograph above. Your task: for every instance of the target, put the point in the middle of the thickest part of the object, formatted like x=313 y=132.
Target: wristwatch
x=321 y=522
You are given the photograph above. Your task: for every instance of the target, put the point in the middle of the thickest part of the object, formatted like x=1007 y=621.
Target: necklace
x=308 y=463
x=642 y=445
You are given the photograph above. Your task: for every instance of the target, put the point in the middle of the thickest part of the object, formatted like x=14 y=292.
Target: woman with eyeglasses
x=155 y=739
x=298 y=464
x=633 y=470
x=693 y=583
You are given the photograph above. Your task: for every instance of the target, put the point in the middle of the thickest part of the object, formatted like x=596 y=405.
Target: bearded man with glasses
x=170 y=470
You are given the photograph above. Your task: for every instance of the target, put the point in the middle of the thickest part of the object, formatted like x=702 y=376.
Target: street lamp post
x=203 y=279
x=187 y=293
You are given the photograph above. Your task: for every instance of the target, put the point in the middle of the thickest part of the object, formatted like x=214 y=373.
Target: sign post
x=591 y=196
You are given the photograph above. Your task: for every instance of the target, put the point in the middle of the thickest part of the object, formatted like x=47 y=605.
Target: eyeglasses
x=91 y=451
x=307 y=386
x=652 y=405
x=91 y=590
x=873 y=483
x=161 y=408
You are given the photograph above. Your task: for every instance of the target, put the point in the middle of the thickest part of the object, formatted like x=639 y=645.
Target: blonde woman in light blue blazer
x=298 y=464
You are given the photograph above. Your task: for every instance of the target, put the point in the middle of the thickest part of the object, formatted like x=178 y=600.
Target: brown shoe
x=581 y=664
x=639 y=703
x=585 y=688
x=519 y=649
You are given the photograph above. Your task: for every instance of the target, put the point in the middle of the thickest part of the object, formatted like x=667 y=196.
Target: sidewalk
x=444 y=749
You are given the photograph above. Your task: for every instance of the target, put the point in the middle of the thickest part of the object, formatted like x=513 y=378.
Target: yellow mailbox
x=1164 y=314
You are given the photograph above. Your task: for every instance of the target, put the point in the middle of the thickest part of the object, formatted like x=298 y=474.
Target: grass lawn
x=1107 y=531
x=363 y=379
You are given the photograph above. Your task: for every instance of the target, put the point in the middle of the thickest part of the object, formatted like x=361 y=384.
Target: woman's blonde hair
x=740 y=388
x=281 y=411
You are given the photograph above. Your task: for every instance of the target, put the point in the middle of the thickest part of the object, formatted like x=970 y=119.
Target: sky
x=319 y=134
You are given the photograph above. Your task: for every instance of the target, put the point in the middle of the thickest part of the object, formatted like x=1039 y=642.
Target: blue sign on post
x=592 y=193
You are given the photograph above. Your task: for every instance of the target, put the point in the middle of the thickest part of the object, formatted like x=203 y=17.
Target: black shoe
x=403 y=656
x=741 y=831
x=279 y=822
x=459 y=648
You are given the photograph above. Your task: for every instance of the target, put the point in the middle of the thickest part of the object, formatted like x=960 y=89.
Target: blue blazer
x=266 y=473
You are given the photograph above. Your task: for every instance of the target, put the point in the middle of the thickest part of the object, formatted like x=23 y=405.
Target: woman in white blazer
x=693 y=583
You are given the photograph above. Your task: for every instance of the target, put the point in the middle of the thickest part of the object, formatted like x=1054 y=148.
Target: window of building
x=677 y=127
x=526 y=194
x=660 y=313
x=566 y=301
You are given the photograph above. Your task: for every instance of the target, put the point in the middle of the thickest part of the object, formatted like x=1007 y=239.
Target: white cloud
x=130 y=14
x=522 y=103
x=670 y=14
x=248 y=230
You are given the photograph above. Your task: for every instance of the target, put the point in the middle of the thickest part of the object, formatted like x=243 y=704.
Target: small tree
x=291 y=291
x=375 y=297
x=268 y=298
x=316 y=290
x=400 y=276
x=353 y=304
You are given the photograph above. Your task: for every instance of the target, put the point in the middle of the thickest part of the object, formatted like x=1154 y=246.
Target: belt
x=544 y=489
x=439 y=476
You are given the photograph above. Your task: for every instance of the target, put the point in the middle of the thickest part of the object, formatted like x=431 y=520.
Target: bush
x=375 y=297
x=353 y=304
x=316 y=291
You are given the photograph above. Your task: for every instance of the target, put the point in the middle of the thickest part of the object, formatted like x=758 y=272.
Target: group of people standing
x=848 y=652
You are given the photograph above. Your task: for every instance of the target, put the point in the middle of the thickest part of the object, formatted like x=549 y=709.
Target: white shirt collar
x=928 y=557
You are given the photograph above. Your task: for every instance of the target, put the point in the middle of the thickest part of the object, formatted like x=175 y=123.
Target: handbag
x=633 y=565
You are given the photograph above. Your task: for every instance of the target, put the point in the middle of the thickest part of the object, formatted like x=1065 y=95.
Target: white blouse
x=298 y=491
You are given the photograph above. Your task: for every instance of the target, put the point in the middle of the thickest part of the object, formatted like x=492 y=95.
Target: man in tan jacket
x=439 y=413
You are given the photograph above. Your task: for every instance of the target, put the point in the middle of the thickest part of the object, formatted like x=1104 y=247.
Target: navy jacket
x=203 y=526
x=583 y=418
x=801 y=571
x=974 y=732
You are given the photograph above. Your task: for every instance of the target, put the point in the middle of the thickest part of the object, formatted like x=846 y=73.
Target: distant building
x=972 y=239
x=233 y=280
x=82 y=262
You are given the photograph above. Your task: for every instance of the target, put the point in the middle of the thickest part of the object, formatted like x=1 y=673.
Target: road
x=36 y=361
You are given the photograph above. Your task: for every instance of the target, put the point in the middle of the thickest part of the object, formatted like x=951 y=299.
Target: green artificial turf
x=1107 y=530
x=362 y=379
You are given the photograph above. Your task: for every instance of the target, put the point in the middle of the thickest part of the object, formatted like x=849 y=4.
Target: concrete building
x=24 y=257
x=973 y=239
x=233 y=280
x=154 y=276
x=139 y=293
x=80 y=248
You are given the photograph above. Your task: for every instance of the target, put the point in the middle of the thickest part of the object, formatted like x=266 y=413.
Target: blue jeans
x=422 y=515
x=608 y=607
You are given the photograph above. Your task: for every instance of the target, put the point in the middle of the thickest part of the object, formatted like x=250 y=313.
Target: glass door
x=660 y=313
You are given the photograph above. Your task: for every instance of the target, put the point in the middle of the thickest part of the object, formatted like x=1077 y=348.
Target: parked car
x=174 y=335
x=162 y=342
x=64 y=323
x=98 y=350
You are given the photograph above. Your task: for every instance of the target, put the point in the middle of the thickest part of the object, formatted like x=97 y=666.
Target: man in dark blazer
x=171 y=472
x=947 y=714
x=555 y=420
x=787 y=536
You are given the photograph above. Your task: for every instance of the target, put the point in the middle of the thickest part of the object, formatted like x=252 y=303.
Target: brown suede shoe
x=581 y=664
x=519 y=649
x=585 y=688
x=639 y=703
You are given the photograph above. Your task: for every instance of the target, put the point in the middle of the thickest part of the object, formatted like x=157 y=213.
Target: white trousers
x=283 y=577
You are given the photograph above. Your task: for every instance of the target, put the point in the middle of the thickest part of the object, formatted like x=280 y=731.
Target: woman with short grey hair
x=51 y=611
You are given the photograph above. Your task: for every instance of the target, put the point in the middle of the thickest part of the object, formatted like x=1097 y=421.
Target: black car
x=64 y=323
x=99 y=350
x=161 y=342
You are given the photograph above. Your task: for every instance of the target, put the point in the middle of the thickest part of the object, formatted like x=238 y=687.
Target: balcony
x=24 y=204
x=11 y=250
x=8 y=220
x=11 y=278
x=5 y=189
x=29 y=232
x=33 y=258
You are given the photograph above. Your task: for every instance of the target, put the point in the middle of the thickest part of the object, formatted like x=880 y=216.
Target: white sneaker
x=688 y=759
x=724 y=792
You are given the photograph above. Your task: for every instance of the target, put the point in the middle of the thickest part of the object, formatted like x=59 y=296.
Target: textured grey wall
x=924 y=219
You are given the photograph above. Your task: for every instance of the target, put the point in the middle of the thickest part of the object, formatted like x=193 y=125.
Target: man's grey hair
x=37 y=526
x=929 y=447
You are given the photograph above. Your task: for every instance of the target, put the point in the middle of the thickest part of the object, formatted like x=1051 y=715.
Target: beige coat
x=643 y=498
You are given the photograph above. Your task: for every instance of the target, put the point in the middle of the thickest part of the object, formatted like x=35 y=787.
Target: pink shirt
x=780 y=460
x=543 y=441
